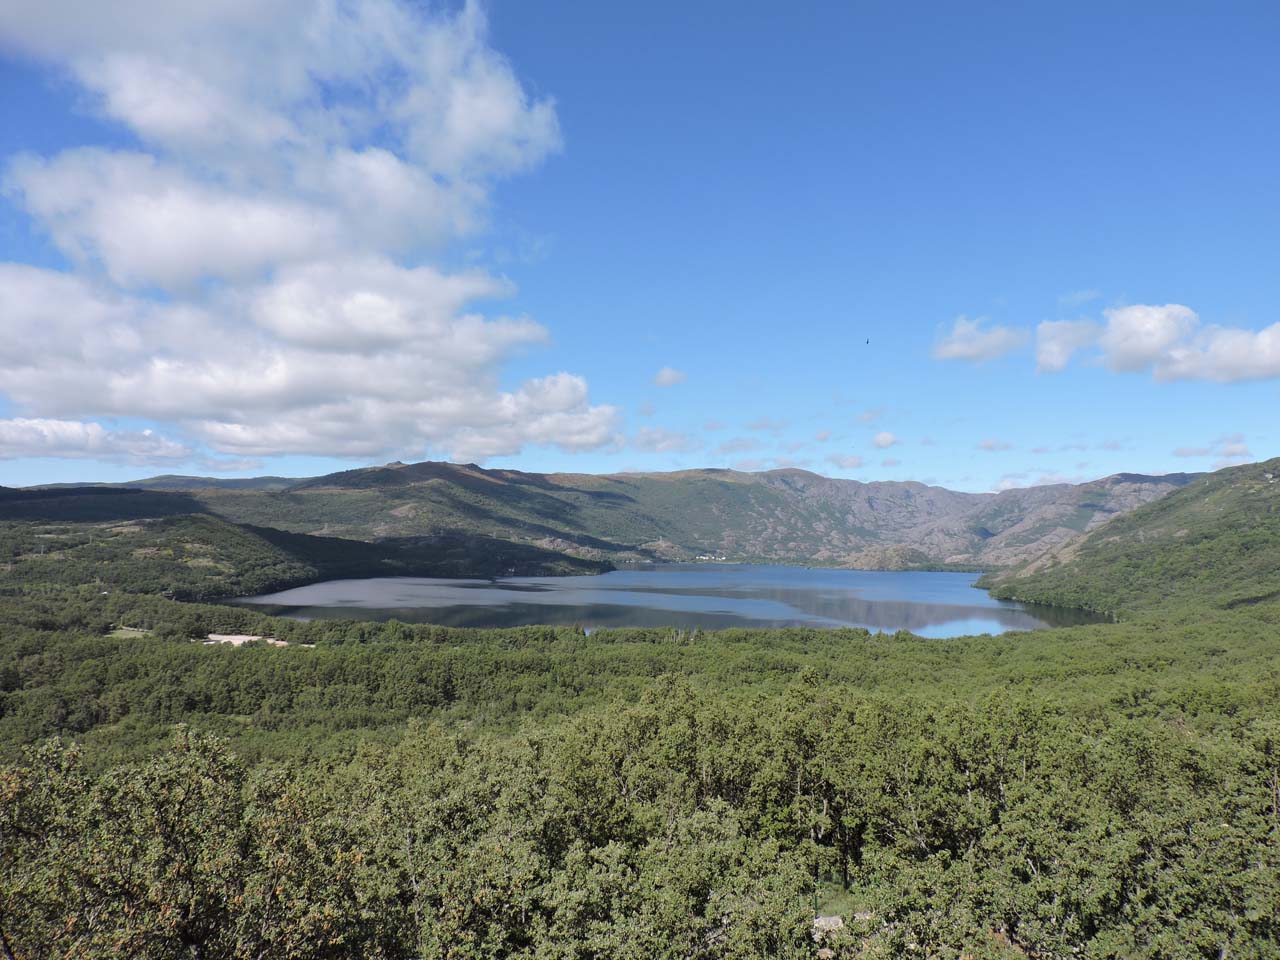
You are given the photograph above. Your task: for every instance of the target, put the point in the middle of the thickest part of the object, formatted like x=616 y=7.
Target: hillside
x=1215 y=542
x=1056 y=793
x=787 y=516
x=151 y=542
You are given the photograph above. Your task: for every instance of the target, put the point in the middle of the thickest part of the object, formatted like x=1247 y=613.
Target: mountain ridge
x=1212 y=542
x=787 y=515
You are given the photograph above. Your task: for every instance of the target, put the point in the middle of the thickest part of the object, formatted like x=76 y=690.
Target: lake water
x=707 y=596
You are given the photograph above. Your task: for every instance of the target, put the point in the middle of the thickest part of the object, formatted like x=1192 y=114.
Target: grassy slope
x=1214 y=543
x=149 y=542
x=609 y=515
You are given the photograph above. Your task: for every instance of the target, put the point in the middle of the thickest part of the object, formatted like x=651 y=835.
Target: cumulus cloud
x=23 y=437
x=870 y=416
x=254 y=273
x=1224 y=355
x=1058 y=340
x=1141 y=335
x=352 y=359
x=669 y=377
x=149 y=223
x=846 y=461
x=884 y=439
x=1167 y=339
x=971 y=340
x=992 y=445
x=1170 y=341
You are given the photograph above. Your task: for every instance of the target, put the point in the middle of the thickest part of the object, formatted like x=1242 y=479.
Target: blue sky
x=523 y=213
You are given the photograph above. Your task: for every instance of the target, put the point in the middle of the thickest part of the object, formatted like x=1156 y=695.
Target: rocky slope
x=1213 y=543
x=781 y=515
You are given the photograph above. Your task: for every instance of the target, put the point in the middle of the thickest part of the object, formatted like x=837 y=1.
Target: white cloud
x=992 y=445
x=658 y=440
x=1167 y=339
x=970 y=340
x=668 y=377
x=350 y=359
x=1229 y=450
x=890 y=462
x=23 y=437
x=884 y=440
x=1141 y=335
x=307 y=157
x=341 y=128
x=870 y=416
x=822 y=436
x=850 y=461
x=1224 y=355
x=1058 y=340
x=150 y=224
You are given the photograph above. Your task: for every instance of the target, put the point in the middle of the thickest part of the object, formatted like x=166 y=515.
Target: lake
x=686 y=595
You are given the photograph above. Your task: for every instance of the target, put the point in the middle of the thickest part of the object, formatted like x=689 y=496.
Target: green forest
x=408 y=791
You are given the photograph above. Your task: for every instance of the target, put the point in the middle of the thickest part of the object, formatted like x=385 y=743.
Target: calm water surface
x=708 y=596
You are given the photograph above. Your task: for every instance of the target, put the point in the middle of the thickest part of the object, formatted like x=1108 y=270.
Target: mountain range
x=782 y=516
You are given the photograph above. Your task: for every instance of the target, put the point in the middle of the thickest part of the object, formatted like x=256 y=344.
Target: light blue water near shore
x=706 y=596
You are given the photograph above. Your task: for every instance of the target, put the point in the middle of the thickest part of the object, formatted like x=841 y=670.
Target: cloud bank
x=259 y=273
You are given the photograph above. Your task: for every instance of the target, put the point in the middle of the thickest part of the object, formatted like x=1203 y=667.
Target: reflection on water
x=707 y=596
